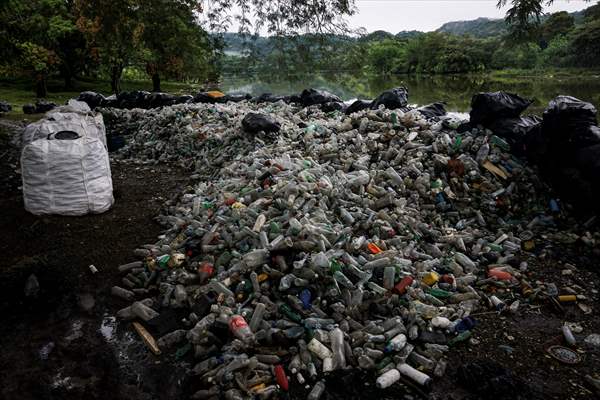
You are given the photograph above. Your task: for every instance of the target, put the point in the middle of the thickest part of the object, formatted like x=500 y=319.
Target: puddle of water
x=108 y=328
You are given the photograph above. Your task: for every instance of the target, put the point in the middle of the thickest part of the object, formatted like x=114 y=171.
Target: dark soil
x=53 y=347
x=59 y=250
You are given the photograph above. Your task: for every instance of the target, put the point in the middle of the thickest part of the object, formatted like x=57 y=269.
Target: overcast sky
x=427 y=15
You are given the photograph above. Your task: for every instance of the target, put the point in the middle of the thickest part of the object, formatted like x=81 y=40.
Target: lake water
x=455 y=90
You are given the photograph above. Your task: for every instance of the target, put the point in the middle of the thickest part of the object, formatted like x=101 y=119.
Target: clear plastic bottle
x=240 y=329
x=336 y=337
x=388 y=379
x=317 y=391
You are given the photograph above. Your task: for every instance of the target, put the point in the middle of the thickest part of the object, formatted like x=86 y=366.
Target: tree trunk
x=67 y=75
x=40 y=86
x=155 y=82
x=115 y=78
x=68 y=81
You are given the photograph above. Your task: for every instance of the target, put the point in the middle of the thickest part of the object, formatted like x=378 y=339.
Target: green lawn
x=18 y=93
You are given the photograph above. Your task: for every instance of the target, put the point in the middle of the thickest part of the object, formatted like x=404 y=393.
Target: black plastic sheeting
x=488 y=107
x=256 y=122
x=392 y=99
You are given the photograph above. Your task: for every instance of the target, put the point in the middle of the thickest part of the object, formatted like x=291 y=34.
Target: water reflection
x=455 y=90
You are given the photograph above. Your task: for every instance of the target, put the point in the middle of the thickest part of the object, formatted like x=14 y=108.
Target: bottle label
x=237 y=322
x=207 y=269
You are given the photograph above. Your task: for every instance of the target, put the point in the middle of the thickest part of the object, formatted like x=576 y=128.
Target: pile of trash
x=396 y=98
x=565 y=143
x=330 y=242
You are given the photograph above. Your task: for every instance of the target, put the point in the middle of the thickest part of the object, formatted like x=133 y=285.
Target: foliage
x=559 y=23
x=38 y=38
x=586 y=44
x=386 y=56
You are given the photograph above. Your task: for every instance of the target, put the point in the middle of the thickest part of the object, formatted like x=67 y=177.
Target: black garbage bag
x=255 y=122
x=310 y=97
x=115 y=142
x=295 y=99
x=357 y=106
x=585 y=136
x=587 y=161
x=4 y=106
x=488 y=107
x=133 y=99
x=535 y=146
x=28 y=109
x=333 y=106
x=237 y=97
x=514 y=129
x=203 y=97
x=568 y=108
x=110 y=101
x=571 y=121
x=159 y=99
x=392 y=99
x=92 y=99
x=42 y=106
x=269 y=98
x=437 y=109
x=575 y=187
x=186 y=98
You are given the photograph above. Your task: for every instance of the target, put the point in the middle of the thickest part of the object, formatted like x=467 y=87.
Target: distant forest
x=560 y=40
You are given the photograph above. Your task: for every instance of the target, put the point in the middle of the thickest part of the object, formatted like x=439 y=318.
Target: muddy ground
x=65 y=344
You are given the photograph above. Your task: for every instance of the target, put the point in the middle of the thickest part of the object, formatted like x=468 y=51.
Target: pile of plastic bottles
x=340 y=242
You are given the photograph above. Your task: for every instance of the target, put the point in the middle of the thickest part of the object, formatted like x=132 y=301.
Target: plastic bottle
x=317 y=391
x=319 y=349
x=337 y=345
x=205 y=271
x=415 y=375
x=143 y=312
x=240 y=329
x=397 y=343
x=388 y=379
x=281 y=377
x=568 y=335
x=389 y=274
x=257 y=316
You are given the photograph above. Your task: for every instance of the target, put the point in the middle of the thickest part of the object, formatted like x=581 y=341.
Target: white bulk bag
x=73 y=117
x=66 y=174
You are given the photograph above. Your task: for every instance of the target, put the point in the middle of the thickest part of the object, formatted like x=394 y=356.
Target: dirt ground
x=65 y=344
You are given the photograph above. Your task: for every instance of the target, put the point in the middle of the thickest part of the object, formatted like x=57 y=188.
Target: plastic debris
x=363 y=241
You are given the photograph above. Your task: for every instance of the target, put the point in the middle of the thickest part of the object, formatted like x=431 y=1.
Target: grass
x=574 y=73
x=19 y=93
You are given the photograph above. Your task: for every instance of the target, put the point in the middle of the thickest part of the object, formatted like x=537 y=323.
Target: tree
x=173 y=40
x=386 y=56
x=586 y=44
x=559 y=23
x=558 y=53
x=113 y=30
x=524 y=17
x=38 y=37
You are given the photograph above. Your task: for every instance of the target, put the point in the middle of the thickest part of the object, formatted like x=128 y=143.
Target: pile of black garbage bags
x=396 y=98
x=564 y=143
